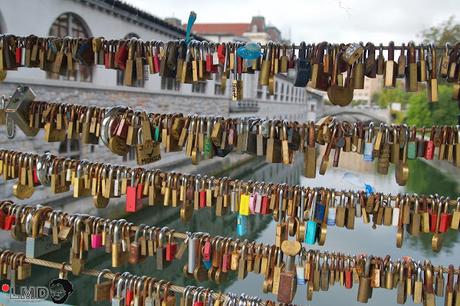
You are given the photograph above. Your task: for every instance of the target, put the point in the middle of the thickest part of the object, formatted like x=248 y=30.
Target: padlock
x=133 y=201
x=118 y=298
x=17 y=109
x=364 y=287
x=135 y=255
x=96 y=236
x=171 y=247
x=102 y=288
x=310 y=235
x=241 y=225
x=369 y=144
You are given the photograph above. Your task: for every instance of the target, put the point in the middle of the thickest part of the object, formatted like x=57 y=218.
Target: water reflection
x=363 y=239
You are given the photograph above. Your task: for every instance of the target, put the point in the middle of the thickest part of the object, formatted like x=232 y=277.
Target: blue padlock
x=320 y=210
x=207 y=264
x=310 y=229
x=300 y=272
x=331 y=211
x=241 y=225
x=369 y=144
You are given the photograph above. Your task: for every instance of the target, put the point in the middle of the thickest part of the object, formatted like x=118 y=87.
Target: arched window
x=121 y=73
x=70 y=24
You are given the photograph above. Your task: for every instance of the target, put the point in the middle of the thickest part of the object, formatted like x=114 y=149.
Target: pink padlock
x=225 y=262
x=252 y=202
x=258 y=204
x=96 y=236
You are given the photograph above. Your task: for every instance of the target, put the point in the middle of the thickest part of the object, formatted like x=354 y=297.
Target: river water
x=423 y=179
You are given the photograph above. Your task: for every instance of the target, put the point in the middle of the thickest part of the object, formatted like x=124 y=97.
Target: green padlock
x=412 y=145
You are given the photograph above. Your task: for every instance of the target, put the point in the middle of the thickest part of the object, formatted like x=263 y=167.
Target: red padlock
x=171 y=247
x=446 y=218
x=433 y=215
x=133 y=203
x=35 y=177
x=429 y=146
x=221 y=53
x=18 y=55
x=2 y=218
x=209 y=62
x=348 y=275
x=121 y=56
x=265 y=205
x=129 y=295
x=435 y=212
x=202 y=196
x=10 y=219
x=139 y=191
x=206 y=250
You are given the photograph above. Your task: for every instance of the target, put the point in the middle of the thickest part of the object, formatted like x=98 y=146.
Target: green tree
x=446 y=32
x=390 y=95
x=422 y=113
x=419 y=111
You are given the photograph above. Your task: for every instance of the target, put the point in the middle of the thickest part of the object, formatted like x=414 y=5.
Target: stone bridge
x=353 y=114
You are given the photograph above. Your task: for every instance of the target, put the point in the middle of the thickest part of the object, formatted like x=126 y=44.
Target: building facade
x=104 y=87
x=255 y=31
x=259 y=32
x=371 y=86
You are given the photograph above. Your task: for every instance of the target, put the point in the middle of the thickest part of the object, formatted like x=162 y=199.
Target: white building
x=99 y=86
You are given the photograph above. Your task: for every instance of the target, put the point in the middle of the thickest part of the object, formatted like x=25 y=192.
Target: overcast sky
x=316 y=20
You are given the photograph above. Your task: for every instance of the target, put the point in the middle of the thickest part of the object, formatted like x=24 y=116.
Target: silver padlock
x=17 y=109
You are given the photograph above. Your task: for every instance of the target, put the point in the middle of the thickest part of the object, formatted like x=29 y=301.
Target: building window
x=282 y=93
x=70 y=148
x=275 y=96
x=312 y=107
x=218 y=86
x=199 y=87
x=170 y=84
x=70 y=24
x=259 y=91
x=131 y=155
x=292 y=93
x=121 y=73
x=218 y=90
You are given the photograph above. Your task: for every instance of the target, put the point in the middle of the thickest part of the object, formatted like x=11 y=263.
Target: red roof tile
x=236 y=29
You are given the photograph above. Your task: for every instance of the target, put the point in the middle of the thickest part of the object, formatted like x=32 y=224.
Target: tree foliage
x=422 y=113
x=446 y=32
x=419 y=111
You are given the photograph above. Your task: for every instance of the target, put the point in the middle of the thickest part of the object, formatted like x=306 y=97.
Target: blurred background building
x=104 y=87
